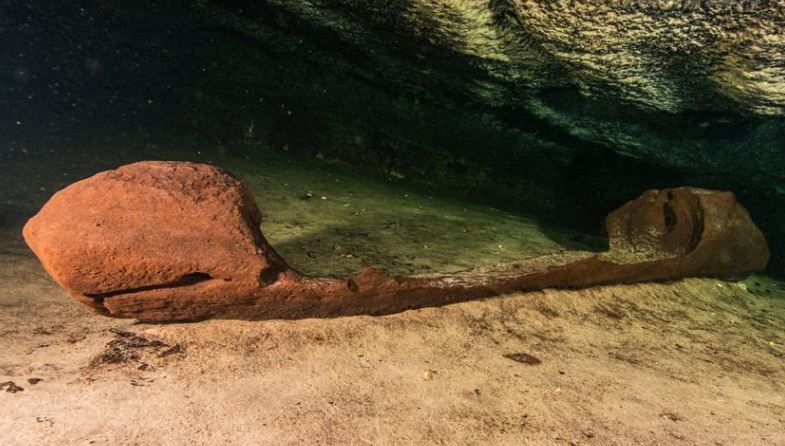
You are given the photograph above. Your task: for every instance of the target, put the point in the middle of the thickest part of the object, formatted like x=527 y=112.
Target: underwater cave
x=398 y=222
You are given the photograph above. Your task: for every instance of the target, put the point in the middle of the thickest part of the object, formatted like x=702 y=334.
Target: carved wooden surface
x=176 y=241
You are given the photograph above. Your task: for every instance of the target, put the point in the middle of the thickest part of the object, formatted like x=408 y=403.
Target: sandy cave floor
x=697 y=361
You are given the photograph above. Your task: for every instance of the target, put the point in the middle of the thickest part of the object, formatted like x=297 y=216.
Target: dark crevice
x=697 y=229
x=669 y=214
x=269 y=276
x=186 y=280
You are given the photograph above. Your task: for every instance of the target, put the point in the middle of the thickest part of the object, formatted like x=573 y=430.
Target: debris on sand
x=126 y=348
x=177 y=348
x=11 y=387
x=523 y=358
x=671 y=416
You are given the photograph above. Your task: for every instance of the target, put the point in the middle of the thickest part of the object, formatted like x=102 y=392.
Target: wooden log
x=176 y=241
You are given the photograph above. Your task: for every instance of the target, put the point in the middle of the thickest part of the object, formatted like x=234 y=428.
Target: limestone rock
x=662 y=55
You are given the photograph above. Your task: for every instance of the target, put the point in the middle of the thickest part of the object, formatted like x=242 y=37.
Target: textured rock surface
x=685 y=231
x=152 y=226
x=666 y=55
x=165 y=241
